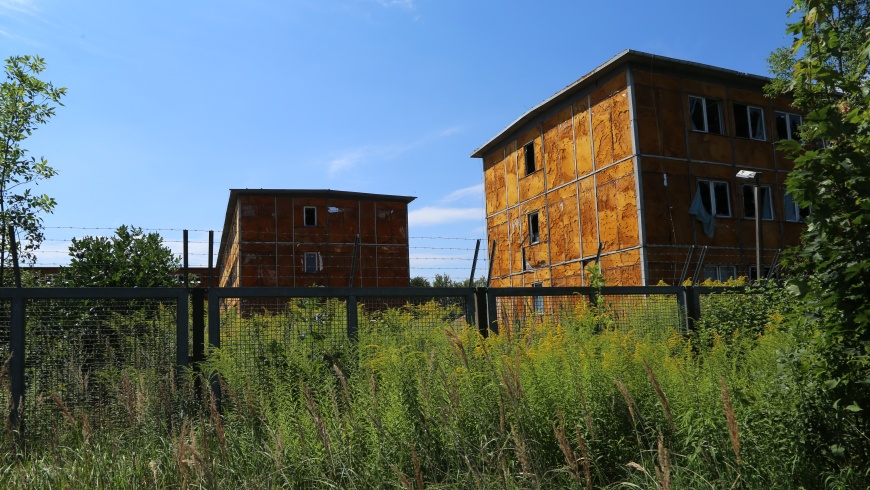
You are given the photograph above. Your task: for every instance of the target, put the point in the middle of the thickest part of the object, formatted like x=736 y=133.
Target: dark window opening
x=705 y=115
x=312 y=262
x=534 y=228
x=749 y=122
x=538 y=301
x=529 y=152
x=721 y=273
x=793 y=211
x=310 y=216
x=749 y=202
x=788 y=126
x=714 y=197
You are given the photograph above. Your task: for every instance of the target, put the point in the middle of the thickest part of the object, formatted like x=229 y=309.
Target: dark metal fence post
x=469 y=306
x=182 y=356
x=482 y=311
x=492 y=311
x=197 y=300
x=693 y=306
x=214 y=340
x=352 y=319
x=16 y=365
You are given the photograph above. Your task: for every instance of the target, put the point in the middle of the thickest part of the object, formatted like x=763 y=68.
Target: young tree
x=26 y=102
x=827 y=71
x=128 y=259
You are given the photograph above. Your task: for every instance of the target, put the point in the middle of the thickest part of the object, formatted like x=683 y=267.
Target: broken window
x=793 y=211
x=705 y=115
x=788 y=126
x=721 y=273
x=538 y=301
x=534 y=228
x=749 y=202
x=529 y=152
x=310 y=216
x=749 y=122
x=312 y=262
x=715 y=197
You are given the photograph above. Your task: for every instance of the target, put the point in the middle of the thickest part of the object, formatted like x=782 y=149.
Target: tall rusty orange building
x=301 y=237
x=640 y=156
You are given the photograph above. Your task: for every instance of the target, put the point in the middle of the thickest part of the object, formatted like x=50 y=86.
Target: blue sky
x=171 y=104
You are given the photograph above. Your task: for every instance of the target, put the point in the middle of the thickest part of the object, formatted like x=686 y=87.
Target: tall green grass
x=549 y=405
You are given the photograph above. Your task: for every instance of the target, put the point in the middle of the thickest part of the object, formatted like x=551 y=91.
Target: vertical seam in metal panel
x=594 y=173
x=546 y=205
x=638 y=177
x=577 y=188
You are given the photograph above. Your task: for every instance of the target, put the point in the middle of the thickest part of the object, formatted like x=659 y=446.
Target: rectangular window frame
x=793 y=212
x=748 y=193
x=534 y=222
x=744 y=126
x=791 y=123
x=309 y=216
x=709 y=121
x=714 y=191
x=311 y=262
x=721 y=273
x=538 y=301
x=529 y=160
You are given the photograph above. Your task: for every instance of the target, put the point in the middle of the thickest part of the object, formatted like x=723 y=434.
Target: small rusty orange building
x=621 y=157
x=299 y=238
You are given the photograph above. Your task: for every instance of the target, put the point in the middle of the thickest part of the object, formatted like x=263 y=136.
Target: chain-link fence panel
x=97 y=364
x=5 y=388
x=644 y=310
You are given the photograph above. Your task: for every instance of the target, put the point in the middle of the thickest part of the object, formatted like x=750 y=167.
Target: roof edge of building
x=623 y=58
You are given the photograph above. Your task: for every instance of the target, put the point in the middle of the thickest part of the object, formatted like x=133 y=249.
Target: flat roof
x=624 y=58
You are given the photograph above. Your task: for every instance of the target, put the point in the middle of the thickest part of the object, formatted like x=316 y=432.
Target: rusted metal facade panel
x=307 y=238
x=559 y=149
x=582 y=138
x=588 y=217
x=563 y=225
x=512 y=174
x=495 y=183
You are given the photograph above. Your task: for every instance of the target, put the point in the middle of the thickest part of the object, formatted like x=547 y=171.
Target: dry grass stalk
x=587 y=414
x=733 y=431
x=567 y=450
x=218 y=422
x=418 y=472
x=456 y=343
x=584 y=454
x=345 y=390
x=128 y=398
x=314 y=411
x=663 y=470
x=628 y=400
x=63 y=409
x=662 y=399
x=520 y=450
x=403 y=478
x=187 y=455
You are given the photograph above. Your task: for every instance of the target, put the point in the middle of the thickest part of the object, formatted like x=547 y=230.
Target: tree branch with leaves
x=26 y=102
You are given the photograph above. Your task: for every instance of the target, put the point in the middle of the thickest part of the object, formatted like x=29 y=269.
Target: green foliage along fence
x=91 y=355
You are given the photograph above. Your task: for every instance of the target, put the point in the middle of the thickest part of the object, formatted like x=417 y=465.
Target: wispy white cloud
x=356 y=157
x=407 y=4
x=433 y=215
x=18 y=6
x=473 y=191
x=359 y=156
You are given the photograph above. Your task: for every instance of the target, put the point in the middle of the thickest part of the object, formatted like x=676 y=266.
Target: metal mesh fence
x=262 y=332
x=5 y=394
x=98 y=364
x=639 y=311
